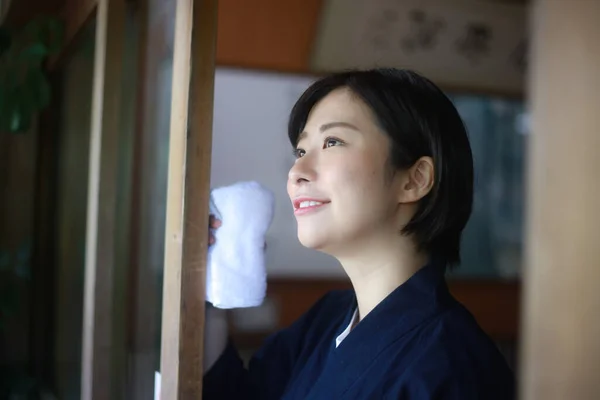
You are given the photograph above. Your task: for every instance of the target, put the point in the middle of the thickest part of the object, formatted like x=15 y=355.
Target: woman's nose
x=302 y=171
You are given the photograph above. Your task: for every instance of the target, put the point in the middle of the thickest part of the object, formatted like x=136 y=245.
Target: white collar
x=346 y=331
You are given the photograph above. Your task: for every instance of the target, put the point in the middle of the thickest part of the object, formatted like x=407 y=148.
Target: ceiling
x=287 y=35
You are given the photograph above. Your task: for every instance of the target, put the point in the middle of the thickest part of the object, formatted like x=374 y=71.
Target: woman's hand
x=213 y=223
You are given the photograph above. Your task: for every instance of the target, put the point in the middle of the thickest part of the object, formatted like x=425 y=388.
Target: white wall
x=250 y=143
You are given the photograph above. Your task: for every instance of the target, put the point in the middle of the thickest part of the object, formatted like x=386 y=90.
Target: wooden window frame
x=186 y=236
x=188 y=190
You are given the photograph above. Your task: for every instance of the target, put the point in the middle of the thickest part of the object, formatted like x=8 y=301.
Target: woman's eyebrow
x=330 y=125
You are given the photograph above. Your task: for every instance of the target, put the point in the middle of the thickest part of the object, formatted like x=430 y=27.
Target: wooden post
x=97 y=344
x=186 y=236
x=561 y=320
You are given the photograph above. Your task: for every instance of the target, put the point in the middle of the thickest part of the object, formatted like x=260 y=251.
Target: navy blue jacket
x=418 y=343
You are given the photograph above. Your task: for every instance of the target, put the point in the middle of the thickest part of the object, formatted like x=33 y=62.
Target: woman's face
x=340 y=187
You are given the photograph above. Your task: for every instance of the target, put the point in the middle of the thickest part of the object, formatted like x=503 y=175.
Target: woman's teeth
x=305 y=204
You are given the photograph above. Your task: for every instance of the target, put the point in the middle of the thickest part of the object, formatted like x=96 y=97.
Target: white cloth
x=346 y=332
x=156 y=385
x=236 y=274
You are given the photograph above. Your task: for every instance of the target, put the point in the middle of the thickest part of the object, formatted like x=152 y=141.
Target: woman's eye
x=330 y=142
x=299 y=153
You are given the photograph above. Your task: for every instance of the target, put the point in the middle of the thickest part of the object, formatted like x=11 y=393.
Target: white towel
x=236 y=274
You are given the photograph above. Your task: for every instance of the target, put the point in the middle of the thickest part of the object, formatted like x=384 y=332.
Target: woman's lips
x=306 y=205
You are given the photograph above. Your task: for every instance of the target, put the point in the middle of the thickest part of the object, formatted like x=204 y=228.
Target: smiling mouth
x=307 y=206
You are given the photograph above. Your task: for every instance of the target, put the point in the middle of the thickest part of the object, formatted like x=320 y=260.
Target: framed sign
x=477 y=45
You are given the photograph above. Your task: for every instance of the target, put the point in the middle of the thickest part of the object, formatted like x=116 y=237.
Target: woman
x=383 y=181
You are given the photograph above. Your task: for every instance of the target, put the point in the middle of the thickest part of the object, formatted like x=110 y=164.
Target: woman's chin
x=309 y=243
x=322 y=245
x=312 y=242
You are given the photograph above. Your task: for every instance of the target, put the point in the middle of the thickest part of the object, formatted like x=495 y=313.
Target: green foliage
x=24 y=88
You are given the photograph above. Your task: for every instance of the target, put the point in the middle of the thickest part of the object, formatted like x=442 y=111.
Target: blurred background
x=268 y=52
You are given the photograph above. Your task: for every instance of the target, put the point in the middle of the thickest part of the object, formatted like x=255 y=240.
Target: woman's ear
x=418 y=181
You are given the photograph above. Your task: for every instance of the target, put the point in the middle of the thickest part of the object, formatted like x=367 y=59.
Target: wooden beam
x=267 y=34
x=97 y=344
x=561 y=321
x=186 y=236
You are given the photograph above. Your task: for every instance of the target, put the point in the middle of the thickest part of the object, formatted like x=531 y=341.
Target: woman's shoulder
x=458 y=326
x=455 y=349
x=448 y=354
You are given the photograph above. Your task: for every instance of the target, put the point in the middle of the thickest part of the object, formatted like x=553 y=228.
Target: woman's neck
x=379 y=271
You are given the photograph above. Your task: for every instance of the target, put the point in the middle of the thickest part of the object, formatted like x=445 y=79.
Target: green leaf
x=18 y=116
x=55 y=36
x=48 y=31
x=24 y=88
x=35 y=51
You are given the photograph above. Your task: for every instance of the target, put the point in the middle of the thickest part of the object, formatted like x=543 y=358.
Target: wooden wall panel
x=267 y=34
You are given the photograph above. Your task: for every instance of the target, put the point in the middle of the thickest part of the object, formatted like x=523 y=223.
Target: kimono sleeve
x=269 y=370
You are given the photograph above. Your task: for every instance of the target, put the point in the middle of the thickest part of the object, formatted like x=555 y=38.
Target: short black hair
x=420 y=120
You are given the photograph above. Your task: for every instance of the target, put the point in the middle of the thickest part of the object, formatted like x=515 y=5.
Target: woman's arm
x=216 y=333
x=270 y=369
x=225 y=376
